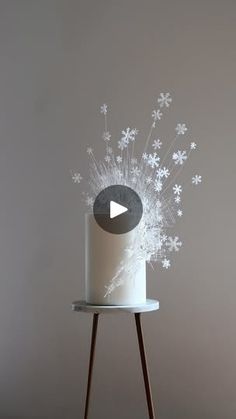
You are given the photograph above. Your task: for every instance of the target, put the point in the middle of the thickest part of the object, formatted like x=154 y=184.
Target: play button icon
x=118 y=209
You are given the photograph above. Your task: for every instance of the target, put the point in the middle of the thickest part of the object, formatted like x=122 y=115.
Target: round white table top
x=150 y=305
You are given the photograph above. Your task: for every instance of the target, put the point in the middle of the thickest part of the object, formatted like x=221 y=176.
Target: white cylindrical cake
x=113 y=277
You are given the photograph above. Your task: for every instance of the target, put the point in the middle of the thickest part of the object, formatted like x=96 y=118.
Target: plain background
x=59 y=61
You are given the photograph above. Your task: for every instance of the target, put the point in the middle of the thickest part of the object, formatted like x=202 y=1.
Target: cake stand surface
x=96 y=310
x=149 y=305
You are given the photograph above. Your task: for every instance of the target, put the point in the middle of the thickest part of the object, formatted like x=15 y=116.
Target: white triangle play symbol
x=116 y=209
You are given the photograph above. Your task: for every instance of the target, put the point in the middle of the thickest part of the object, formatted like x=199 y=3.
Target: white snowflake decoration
x=133 y=160
x=156 y=114
x=177 y=199
x=122 y=145
x=135 y=171
x=109 y=150
x=157 y=144
x=149 y=180
x=153 y=177
x=179 y=157
x=181 y=129
x=106 y=136
x=179 y=213
x=89 y=201
x=173 y=244
x=159 y=173
x=103 y=109
x=193 y=146
x=164 y=100
x=128 y=135
x=177 y=189
x=196 y=179
x=164 y=172
x=89 y=150
x=158 y=185
x=153 y=160
x=76 y=177
x=107 y=158
x=166 y=263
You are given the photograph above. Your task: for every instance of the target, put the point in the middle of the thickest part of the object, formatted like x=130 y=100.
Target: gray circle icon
x=118 y=209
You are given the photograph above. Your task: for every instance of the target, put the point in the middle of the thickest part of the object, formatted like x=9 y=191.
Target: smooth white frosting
x=103 y=254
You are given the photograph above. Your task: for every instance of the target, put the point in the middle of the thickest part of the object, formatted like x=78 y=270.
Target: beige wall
x=59 y=60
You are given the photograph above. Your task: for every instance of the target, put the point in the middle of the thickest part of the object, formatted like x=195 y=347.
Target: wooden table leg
x=91 y=362
x=144 y=366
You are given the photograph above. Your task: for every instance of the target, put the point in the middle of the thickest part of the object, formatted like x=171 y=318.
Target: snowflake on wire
x=196 y=179
x=158 y=185
x=149 y=180
x=89 y=201
x=133 y=160
x=153 y=160
x=109 y=150
x=173 y=244
x=179 y=213
x=177 y=189
x=89 y=150
x=165 y=263
x=157 y=144
x=165 y=172
x=147 y=175
x=128 y=135
x=106 y=136
x=121 y=145
x=177 y=199
x=76 y=177
x=103 y=109
x=162 y=172
x=164 y=100
x=135 y=171
x=163 y=238
x=181 y=129
x=107 y=158
x=179 y=157
x=156 y=114
x=159 y=173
